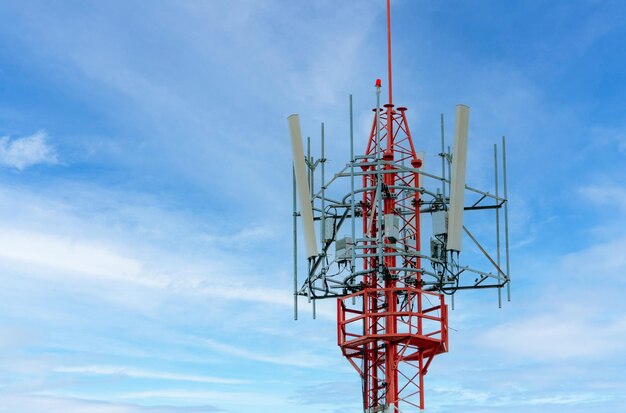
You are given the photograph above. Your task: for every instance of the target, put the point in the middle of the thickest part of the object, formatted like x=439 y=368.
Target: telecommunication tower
x=392 y=316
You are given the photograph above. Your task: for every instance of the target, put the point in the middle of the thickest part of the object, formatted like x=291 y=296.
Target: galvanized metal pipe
x=323 y=200
x=506 y=220
x=495 y=164
x=352 y=211
x=295 y=250
x=443 y=161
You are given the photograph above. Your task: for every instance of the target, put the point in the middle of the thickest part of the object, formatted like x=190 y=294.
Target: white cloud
x=190 y=268
x=453 y=394
x=145 y=374
x=29 y=404
x=567 y=321
x=459 y=395
x=565 y=399
x=242 y=398
x=300 y=359
x=600 y=260
x=556 y=337
x=613 y=196
x=601 y=136
x=27 y=151
x=92 y=260
x=55 y=252
x=102 y=243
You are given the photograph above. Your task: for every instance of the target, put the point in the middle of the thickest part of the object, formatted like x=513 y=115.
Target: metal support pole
x=443 y=161
x=352 y=211
x=379 y=213
x=295 y=249
x=312 y=189
x=506 y=220
x=323 y=220
x=449 y=158
x=495 y=167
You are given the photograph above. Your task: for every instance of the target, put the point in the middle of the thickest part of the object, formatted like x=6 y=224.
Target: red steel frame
x=391 y=330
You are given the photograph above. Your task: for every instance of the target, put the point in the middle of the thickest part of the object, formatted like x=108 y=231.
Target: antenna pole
x=506 y=221
x=389 y=51
x=495 y=164
x=295 y=249
x=352 y=210
x=443 y=162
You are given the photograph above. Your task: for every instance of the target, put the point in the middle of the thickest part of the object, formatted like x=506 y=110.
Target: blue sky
x=145 y=196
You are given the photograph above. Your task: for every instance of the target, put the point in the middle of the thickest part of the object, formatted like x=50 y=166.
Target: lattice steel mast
x=403 y=331
x=392 y=319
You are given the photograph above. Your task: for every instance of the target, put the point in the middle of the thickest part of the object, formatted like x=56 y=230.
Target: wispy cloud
x=27 y=151
x=557 y=337
x=343 y=394
x=609 y=195
x=106 y=278
x=87 y=261
x=453 y=394
x=145 y=374
x=299 y=359
x=51 y=404
x=70 y=255
x=563 y=321
x=246 y=398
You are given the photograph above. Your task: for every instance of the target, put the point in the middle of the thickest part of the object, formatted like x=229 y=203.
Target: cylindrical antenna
x=457 y=178
x=303 y=186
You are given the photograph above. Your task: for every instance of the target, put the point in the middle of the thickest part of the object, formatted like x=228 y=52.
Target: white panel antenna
x=303 y=186
x=457 y=178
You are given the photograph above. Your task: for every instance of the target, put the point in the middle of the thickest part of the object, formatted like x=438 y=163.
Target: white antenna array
x=302 y=186
x=336 y=256
x=457 y=178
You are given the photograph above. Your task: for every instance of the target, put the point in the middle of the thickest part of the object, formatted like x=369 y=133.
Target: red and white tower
x=402 y=326
x=392 y=318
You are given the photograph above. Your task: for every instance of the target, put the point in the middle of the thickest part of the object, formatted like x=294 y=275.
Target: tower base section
x=390 y=336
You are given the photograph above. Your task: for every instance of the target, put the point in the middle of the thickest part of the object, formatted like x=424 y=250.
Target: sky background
x=145 y=198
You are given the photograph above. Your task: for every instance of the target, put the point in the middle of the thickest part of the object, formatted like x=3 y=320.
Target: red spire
x=389 y=50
